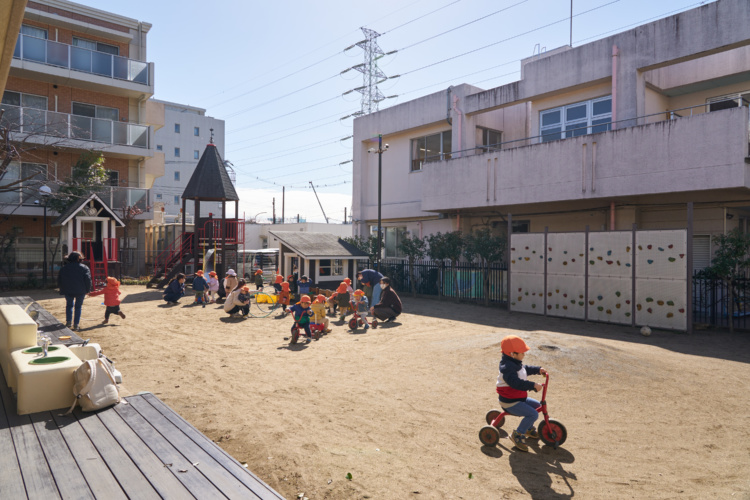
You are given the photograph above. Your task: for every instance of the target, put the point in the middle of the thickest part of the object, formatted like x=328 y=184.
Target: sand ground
x=400 y=408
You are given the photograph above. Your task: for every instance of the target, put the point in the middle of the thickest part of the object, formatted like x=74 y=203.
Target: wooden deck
x=138 y=449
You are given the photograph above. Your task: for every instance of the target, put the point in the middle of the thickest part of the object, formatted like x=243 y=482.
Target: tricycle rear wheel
x=492 y=415
x=353 y=323
x=489 y=436
x=553 y=433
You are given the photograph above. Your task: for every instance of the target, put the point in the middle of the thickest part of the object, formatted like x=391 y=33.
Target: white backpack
x=95 y=386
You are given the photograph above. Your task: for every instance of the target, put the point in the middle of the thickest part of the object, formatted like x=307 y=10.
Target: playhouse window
x=331 y=267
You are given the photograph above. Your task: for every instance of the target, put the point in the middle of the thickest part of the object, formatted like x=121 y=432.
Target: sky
x=275 y=72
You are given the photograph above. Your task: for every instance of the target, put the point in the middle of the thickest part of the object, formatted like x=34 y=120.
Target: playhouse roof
x=76 y=207
x=318 y=245
x=210 y=180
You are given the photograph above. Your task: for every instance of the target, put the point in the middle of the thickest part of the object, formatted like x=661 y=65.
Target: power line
x=302 y=149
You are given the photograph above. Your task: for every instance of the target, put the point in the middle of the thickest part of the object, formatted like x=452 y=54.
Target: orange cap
x=359 y=292
x=348 y=281
x=279 y=278
x=285 y=286
x=512 y=343
x=199 y=272
x=112 y=282
x=259 y=271
x=341 y=288
x=305 y=298
x=212 y=273
x=245 y=288
x=320 y=298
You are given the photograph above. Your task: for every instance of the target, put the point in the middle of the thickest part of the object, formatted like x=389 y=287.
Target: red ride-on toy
x=551 y=432
x=295 y=333
x=358 y=321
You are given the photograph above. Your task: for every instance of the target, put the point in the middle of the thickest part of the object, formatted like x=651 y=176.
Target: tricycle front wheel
x=295 y=335
x=489 y=436
x=553 y=433
x=492 y=415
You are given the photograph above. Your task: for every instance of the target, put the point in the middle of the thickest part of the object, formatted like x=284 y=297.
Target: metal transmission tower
x=371 y=74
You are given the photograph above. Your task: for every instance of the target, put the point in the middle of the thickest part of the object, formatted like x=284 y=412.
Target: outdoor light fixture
x=382 y=148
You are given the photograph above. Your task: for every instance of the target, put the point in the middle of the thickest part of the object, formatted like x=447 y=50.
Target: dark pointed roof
x=210 y=181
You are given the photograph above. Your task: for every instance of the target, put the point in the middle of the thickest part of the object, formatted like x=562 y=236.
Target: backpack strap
x=86 y=388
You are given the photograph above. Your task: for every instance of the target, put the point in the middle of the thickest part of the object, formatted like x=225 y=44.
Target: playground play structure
x=215 y=242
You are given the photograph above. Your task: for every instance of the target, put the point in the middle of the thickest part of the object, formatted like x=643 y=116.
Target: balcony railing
x=65 y=126
x=30 y=48
x=120 y=197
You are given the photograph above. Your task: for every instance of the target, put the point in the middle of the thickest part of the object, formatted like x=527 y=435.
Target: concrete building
x=186 y=132
x=257 y=235
x=79 y=80
x=623 y=130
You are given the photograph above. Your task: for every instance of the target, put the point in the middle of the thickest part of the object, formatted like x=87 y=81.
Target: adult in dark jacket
x=74 y=281
x=370 y=279
x=389 y=306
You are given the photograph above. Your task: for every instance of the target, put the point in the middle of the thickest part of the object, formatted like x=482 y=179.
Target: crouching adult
x=389 y=306
x=237 y=304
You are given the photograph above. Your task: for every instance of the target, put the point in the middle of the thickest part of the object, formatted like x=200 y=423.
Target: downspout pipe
x=460 y=124
x=448 y=112
x=615 y=56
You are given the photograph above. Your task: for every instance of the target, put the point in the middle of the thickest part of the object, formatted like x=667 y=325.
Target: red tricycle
x=551 y=432
x=358 y=320
x=295 y=332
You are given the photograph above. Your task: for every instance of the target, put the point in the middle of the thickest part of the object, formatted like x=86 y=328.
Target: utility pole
x=319 y=203
x=283 y=202
x=273 y=204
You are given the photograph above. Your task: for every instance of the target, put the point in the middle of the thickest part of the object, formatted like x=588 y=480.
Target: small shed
x=325 y=258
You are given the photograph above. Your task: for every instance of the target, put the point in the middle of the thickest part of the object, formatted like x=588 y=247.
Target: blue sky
x=272 y=71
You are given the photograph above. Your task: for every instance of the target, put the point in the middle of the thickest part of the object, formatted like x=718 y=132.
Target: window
x=728 y=101
x=34 y=114
x=176 y=199
x=330 y=267
x=33 y=31
x=520 y=226
x=177 y=152
x=177 y=176
x=581 y=118
x=97 y=46
x=94 y=111
x=196 y=154
x=430 y=148
x=176 y=128
x=196 y=131
x=392 y=239
x=113 y=178
x=159 y=147
x=489 y=139
x=28 y=174
x=158 y=196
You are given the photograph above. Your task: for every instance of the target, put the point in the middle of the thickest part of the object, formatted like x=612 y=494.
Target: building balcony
x=699 y=153
x=75 y=131
x=47 y=60
x=28 y=201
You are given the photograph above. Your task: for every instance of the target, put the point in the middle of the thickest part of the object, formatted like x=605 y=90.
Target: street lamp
x=380 y=152
x=45 y=192
x=255 y=219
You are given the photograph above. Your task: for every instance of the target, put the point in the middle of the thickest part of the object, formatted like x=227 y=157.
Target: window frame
x=46 y=32
x=177 y=176
x=417 y=162
x=177 y=200
x=576 y=126
x=336 y=268
x=486 y=146
x=176 y=128
x=113 y=178
x=196 y=154
x=177 y=152
x=197 y=131
x=97 y=45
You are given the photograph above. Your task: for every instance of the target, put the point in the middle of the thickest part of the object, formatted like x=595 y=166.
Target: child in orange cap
x=285 y=296
x=200 y=286
x=213 y=287
x=301 y=313
x=342 y=299
x=258 y=278
x=513 y=387
x=111 y=294
x=277 y=282
x=332 y=304
x=319 y=312
x=361 y=305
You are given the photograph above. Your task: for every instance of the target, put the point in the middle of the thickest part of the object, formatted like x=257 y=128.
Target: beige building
x=80 y=80
x=621 y=131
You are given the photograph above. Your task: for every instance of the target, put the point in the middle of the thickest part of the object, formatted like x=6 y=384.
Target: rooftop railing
x=30 y=48
x=41 y=122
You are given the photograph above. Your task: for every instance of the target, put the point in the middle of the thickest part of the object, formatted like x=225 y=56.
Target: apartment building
x=182 y=140
x=623 y=130
x=79 y=80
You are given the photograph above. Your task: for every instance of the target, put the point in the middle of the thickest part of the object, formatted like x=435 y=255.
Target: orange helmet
x=359 y=292
x=341 y=288
x=512 y=343
x=320 y=298
x=305 y=298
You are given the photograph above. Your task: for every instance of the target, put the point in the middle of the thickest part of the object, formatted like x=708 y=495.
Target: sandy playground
x=399 y=408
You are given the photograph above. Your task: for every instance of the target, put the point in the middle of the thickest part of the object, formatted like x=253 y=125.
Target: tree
x=488 y=248
x=731 y=261
x=368 y=245
x=414 y=248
